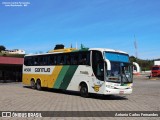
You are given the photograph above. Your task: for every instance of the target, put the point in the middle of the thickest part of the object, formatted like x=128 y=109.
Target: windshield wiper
x=126 y=77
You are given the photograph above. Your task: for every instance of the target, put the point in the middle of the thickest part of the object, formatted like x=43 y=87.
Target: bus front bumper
x=110 y=91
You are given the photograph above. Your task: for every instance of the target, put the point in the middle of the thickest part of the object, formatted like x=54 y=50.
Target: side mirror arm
x=108 y=64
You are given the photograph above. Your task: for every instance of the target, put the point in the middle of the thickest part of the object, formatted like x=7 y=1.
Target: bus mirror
x=108 y=64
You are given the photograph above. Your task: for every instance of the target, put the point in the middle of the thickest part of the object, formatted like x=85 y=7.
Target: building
x=11 y=67
x=14 y=51
x=157 y=62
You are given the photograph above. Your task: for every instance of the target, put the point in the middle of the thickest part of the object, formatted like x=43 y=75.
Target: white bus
x=96 y=70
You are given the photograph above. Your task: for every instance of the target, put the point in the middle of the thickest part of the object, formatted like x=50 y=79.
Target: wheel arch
x=33 y=79
x=39 y=80
x=83 y=82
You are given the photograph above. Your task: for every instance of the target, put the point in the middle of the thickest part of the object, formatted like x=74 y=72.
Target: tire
x=33 y=84
x=38 y=85
x=84 y=91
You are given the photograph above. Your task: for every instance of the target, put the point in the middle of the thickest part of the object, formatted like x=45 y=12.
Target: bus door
x=98 y=70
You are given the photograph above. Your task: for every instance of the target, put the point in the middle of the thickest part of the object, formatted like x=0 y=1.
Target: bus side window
x=60 y=60
x=52 y=59
x=31 y=62
x=41 y=62
x=49 y=60
x=36 y=62
x=68 y=59
x=26 y=61
x=84 y=58
x=64 y=59
x=75 y=59
x=45 y=60
x=88 y=58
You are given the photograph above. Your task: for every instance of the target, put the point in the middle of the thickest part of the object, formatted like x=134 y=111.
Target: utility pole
x=136 y=47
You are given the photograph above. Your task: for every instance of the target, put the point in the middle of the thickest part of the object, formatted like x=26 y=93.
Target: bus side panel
x=54 y=76
x=85 y=74
x=43 y=78
x=81 y=74
x=68 y=76
x=61 y=76
x=25 y=79
x=43 y=73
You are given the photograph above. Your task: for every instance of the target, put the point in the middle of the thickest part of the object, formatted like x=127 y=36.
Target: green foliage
x=144 y=64
x=2 y=48
x=12 y=55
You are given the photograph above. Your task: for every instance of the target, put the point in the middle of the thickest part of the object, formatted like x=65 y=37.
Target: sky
x=38 y=25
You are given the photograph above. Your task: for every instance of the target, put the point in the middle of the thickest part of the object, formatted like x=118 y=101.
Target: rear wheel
x=84 y=91
x=38 y=85
x=33 y=84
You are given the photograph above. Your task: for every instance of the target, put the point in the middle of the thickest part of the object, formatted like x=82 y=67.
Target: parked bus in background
x=95 y=70
x=155 y=71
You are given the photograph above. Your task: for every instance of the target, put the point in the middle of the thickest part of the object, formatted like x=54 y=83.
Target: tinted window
x=74 y=58
x=98 y=64
x=116 y=57
x=156 y=68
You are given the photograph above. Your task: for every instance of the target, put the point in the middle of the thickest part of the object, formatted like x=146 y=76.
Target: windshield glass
x=119 y=73
x=121 y=69
x=156 y=68
x=117 y=57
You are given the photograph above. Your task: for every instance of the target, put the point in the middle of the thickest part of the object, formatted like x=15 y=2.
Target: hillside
x=144 y=64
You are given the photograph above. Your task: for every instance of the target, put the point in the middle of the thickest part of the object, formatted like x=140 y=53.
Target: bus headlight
x=109 y=86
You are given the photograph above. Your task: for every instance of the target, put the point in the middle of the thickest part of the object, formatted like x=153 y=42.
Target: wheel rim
x=32 y=84
x=38 y=85
x=84 y=91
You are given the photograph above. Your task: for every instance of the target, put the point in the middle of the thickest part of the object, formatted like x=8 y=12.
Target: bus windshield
x=121 y=70
x=155 y=68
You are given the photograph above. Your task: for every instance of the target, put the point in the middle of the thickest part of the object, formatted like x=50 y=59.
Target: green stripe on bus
x=81 y=50
x=68 y=77
x=61 y=76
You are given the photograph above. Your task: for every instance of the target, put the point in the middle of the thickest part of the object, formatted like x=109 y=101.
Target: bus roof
x=68 y=50
x=108 y=50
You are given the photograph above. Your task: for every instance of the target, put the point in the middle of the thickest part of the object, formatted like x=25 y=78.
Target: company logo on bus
x=96 y=87
x=42 y=70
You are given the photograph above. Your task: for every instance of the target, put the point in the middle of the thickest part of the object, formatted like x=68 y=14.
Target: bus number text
x=27 y=69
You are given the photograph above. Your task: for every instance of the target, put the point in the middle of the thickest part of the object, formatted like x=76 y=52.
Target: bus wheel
x=84 y=91
x=33 y=85
x=38 y=85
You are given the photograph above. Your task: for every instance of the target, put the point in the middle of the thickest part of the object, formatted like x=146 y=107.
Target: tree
x=2 y=48
x=132 y=59
x=144 y=64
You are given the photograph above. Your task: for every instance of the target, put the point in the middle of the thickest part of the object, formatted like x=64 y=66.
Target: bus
x=155 y=72
x=87 y=70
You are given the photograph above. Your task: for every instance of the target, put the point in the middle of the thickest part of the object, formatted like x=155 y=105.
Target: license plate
x=121 y=92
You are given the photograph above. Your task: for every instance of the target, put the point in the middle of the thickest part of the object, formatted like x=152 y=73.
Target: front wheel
x=84 y=91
